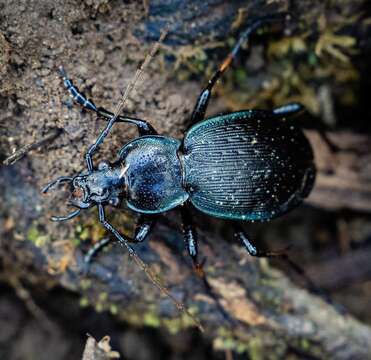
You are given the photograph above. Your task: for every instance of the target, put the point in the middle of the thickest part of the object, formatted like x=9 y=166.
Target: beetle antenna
x=56 y=182
x=154 y=279
x=138 y=75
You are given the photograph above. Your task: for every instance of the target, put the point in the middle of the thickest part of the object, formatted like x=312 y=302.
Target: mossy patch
x=36 y=237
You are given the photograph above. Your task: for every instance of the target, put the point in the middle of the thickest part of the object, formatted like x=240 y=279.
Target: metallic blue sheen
x=153 y=175
x=247 y=165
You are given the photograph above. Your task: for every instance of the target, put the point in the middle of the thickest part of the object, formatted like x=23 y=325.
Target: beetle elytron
x=241 y=166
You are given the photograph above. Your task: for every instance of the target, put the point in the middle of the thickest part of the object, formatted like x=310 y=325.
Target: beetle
x=249 y=165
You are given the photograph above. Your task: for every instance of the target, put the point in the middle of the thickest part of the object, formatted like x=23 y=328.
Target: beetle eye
x=114 y=201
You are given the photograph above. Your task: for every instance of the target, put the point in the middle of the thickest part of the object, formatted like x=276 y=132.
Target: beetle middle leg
x=190 y=238
x=143 y=228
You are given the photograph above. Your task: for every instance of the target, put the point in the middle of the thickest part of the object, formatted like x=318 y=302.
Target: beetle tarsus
x=67 y=217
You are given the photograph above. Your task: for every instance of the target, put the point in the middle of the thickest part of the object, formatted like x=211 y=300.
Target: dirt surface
x=320 y=57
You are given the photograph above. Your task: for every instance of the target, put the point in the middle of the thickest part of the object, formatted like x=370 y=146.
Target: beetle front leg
x=144 y=128
x=94 y=251
x=143 y=228
x=93 y=148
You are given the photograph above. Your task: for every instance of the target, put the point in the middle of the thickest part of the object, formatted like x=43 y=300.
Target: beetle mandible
x=243 y=166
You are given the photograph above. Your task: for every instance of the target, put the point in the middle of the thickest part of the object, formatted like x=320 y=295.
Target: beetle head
x=98 y=187
x=106 y=185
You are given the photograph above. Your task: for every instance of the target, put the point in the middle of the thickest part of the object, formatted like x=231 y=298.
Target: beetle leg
x=282 y=254
x=190 y=239
x=94 y=251
x=252 y=249
x=144 y=128
x=143 y=228
x=77 y=95
x=203 y=99
x=291 y=109
x=151 y=276
x=288 y=110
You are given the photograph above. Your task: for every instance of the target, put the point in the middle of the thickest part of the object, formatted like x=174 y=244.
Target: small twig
x=20 y=153
x=99 y=350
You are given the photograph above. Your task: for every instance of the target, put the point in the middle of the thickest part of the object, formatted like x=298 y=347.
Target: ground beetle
x=243 y=166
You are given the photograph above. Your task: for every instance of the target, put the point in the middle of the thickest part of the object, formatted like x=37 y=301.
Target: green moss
x=240 y=75
x=312 y=59
x=36 y=237
x=99 y=307
x=151 y=319
x=84 y=234
x=304 y=344
x=33 y=234
x=228 y=340
x=84 y=302
x=255 y=349
x=85 y=284
x=173 y=325
x=113 y=309
x=103 y=297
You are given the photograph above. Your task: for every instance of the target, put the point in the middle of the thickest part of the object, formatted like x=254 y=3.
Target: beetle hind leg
x=281 y=254
x=288 y=110
x=203 y=99
x=252 y=249
x=292 y=109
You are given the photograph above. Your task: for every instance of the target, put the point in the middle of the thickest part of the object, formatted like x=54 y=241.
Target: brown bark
x=344 y=177
x=272 y=316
